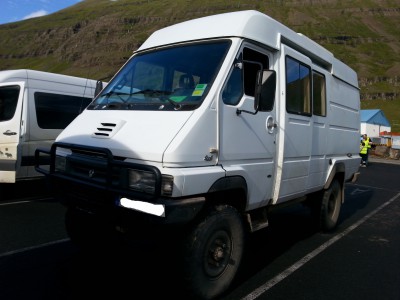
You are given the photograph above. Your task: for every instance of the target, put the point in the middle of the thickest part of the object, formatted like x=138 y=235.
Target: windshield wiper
x=162 y=95
x=152 y=92
x=119 y=94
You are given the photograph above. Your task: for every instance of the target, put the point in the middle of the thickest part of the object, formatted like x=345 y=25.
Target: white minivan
x=210 y=125
x=34 y=108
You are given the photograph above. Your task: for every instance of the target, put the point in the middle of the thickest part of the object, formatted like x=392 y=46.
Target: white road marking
x=28 y=200
x=359 y=191
x=270 y=283
x=33 y=247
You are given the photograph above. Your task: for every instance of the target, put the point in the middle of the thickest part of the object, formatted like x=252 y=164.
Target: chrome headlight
x=60 y=163
x=145 y=182
x=142 y=181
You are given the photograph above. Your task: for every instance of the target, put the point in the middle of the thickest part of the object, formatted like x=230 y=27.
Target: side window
x=258 y=61
x=233 y=90
x=243 y=80
x=319 y=94
x=298 y=87
x=8 y=101
x=55 y=111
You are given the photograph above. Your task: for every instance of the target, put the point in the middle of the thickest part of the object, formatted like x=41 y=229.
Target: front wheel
x=213 y=252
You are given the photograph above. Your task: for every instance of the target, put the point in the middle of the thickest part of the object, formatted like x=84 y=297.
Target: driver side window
x=233 y=90
x=242 y=79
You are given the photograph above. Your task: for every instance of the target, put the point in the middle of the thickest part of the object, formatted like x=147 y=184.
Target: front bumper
x=111 y=204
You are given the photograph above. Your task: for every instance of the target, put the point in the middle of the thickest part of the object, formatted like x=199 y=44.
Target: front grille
x=93 y=169
x=98 y=168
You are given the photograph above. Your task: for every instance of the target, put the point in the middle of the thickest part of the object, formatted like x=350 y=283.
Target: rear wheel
x=213 y=252
x=327 y=208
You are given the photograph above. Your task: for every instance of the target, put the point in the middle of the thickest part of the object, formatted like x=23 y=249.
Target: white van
x=34 y=108
x=211 y=123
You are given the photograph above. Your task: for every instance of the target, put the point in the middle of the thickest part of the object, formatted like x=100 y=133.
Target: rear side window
x=55 y=111
x=319 y=94
x=8 y=101
x=298 y=87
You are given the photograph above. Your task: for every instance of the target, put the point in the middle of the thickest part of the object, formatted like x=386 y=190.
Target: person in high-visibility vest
x=364 y=151
x=368 y=147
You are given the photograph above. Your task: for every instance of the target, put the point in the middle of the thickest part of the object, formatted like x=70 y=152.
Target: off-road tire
x=213 y=251
x=330 y=206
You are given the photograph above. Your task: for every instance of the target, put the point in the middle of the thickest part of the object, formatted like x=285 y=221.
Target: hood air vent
x=107 y=129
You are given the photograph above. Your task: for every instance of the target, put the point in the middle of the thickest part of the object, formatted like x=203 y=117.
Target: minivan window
x=298 y=87
x=8 y=101
x=319 y=94
x=243 y=79
x=56 y=111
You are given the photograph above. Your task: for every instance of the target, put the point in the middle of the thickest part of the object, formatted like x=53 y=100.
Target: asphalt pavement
x=378 y=159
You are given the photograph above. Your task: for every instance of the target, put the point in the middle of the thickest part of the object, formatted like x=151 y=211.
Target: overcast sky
x=17 y=10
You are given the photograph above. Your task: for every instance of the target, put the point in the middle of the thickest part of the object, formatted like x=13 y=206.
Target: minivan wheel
x=213 y=252
x=330 y=206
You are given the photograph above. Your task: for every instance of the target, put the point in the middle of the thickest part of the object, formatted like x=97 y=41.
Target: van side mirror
x=99 y=87
x=264 y=97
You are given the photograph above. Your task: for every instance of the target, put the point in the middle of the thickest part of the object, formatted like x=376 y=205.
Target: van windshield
x=174 y=78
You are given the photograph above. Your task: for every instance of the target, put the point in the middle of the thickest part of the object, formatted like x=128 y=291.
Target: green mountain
x=95 y=37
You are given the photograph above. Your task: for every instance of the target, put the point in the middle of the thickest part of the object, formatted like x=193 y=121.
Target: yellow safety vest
x=364 y=148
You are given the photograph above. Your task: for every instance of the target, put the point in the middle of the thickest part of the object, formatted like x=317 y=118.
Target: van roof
x=23 y=74
x=253 y=25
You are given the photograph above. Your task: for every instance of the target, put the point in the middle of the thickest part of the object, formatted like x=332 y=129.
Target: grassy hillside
x=95 y=37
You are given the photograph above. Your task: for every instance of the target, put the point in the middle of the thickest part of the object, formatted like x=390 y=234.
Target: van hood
x=132 y=134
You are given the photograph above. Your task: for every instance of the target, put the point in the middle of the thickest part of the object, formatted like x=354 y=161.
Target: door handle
x=271 y=124
x=8 y=132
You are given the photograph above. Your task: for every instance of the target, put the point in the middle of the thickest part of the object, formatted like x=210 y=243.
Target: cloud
x=36 y=14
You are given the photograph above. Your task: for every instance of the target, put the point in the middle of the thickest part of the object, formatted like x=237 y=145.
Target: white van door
x=296 y=128
x=11 y=102
x=248 y=141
